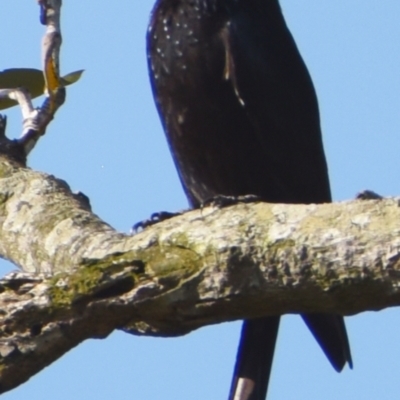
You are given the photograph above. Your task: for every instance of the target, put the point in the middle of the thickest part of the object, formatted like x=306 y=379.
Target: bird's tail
x=254 y=359
x=330 y=332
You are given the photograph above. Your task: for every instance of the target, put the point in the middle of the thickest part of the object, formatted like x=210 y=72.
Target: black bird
x=241 y=117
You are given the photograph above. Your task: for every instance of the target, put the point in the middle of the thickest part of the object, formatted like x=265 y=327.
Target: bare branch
x=36 y=120
x=50 y=16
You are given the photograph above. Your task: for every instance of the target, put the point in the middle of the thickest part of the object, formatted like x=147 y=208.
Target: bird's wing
x=272 y=83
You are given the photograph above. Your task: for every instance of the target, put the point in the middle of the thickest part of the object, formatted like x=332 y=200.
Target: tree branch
x=204 y=267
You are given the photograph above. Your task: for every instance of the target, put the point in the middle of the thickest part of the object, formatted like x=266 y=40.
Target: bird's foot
x=155 y=218
x=368 y=195
x=221 y=200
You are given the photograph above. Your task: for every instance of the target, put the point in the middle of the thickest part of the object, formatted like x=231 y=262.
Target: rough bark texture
x=82 y=279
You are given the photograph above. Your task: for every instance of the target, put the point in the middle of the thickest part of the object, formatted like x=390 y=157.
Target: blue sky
x=107 y=142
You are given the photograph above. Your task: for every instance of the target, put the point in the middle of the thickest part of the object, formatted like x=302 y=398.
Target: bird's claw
x=368 y=195
x=155 y=218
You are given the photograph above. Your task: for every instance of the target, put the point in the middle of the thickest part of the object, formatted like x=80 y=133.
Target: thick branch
x=204 y=267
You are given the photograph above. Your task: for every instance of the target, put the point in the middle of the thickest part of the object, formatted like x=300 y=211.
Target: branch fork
x=36 y=120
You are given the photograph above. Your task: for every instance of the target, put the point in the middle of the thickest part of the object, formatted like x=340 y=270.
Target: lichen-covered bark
x=82 y=279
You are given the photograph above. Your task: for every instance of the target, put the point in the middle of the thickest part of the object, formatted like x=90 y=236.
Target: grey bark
x=81 y=279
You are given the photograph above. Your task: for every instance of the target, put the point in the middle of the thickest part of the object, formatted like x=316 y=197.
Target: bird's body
x=241 y=117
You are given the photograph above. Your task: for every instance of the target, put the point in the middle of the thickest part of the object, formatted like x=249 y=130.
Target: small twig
x=22 y=97
x=51 y=43
x=50 y=11
x=36 y=120
x=35 y=127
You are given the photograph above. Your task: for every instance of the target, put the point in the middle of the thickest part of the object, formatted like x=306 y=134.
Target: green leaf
x=72 y=77
x=31 y=79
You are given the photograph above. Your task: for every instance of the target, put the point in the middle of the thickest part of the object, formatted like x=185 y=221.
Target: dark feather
x=241 y=117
